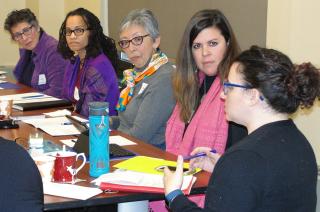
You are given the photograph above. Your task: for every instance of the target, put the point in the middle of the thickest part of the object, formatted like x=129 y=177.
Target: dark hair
x=284 y=85
x=19 y=16
x=185 y=77
x=97 y=42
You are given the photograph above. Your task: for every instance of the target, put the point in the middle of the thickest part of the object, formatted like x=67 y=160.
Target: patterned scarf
x=132 y=77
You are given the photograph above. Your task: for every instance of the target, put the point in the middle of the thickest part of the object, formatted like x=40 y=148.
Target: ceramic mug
x=65 y=166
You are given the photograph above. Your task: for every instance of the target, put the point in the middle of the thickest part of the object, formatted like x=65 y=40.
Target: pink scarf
x=208 y=127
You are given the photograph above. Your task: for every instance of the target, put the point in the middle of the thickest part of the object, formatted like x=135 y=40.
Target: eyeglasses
x=135 y=41
x=77 y=31
x=26 y=32
x=228 y=85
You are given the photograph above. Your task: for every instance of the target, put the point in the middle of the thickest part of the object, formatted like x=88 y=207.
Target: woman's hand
x=173 y=180
x=207 y=162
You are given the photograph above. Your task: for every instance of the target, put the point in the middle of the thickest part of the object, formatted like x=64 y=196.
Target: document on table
x=30 y=97
x=70 y=191
x=58 y=113
x=117 y=139
x=57 y=126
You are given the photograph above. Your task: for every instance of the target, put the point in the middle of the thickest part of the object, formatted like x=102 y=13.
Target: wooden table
x=59 y=203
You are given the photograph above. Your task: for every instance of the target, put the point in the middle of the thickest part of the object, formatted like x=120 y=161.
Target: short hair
x=144 y=18
x=97 y=42
x=185 y=77
x=285 y=86
x=19 y=16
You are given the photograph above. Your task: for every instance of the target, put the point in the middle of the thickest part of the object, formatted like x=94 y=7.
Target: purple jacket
x=49 y=66
x=98 y=82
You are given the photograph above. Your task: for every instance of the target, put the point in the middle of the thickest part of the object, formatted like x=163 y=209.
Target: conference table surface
x=52 y=203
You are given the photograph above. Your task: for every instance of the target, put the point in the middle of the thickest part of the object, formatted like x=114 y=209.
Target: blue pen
x=30 y=97
x=198 y=155
x=66 y=123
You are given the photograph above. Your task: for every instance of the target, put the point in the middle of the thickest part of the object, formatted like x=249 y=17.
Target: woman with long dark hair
x=90 y=74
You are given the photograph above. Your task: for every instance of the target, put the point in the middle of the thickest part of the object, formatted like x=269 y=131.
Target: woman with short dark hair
x=40 y=65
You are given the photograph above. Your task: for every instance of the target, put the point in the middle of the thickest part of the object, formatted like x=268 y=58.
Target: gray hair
x=144 y=18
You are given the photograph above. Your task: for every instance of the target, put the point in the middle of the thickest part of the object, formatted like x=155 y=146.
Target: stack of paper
x=34 y=100
x=57 y=126
x=131 y=181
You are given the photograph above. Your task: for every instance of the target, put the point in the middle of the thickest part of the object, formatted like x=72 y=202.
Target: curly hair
x=284 y=85
x=19 y=16
x=97 y=42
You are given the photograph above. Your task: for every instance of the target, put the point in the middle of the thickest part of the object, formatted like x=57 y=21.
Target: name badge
x=76 y=94
x=42 y=79
x=143 y=87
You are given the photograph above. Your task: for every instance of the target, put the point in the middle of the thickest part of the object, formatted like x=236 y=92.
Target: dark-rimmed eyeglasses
x=228 y=85
x=19 y=35
x=76 y=31
x=135 y=41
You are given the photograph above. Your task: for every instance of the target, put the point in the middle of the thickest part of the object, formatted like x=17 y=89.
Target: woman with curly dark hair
x=90 y=75
x=274 y=168
x=40 y=66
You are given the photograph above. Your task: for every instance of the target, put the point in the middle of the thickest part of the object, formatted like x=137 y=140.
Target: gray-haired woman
x=146 y=102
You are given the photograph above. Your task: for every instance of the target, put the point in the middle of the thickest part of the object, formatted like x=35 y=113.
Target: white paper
x=23 y=118
x=58 y=113
x=69 y=142
x=70 y=191
x=54 y=126
x=126 y=177
x=121 y=141
x=29 y=97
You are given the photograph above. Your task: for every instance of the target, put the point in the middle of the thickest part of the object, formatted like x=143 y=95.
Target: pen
x=76 y=122
x=30 y=97
x=198 y=155
x=66 y=123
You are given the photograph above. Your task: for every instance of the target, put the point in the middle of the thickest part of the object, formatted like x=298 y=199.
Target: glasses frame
x=228 y=84
x=82 y=30
x=27 y=31
x=133 y=41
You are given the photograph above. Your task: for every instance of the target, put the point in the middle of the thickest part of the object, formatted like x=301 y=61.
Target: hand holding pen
x=203 y=158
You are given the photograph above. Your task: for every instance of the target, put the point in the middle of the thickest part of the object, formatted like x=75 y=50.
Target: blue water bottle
x=99 y=138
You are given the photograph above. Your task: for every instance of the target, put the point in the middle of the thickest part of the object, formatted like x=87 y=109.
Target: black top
x=20 y=180
x=28 y=69
x=272 y=169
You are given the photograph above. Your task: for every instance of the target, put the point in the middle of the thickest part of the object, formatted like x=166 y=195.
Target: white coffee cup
x=45 y=165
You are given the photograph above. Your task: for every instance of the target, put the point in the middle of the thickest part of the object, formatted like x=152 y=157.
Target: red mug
x=65 y=166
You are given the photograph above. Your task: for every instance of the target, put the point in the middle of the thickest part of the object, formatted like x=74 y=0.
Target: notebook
x=41 y=105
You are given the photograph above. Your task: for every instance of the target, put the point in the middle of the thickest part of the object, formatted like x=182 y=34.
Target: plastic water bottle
x=99 y=138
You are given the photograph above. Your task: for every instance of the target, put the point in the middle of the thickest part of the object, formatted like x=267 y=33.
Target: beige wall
x=173 y=17
x=9 y=53
x=293 y=27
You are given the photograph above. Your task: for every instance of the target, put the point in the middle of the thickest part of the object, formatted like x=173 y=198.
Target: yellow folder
x=150 y=165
